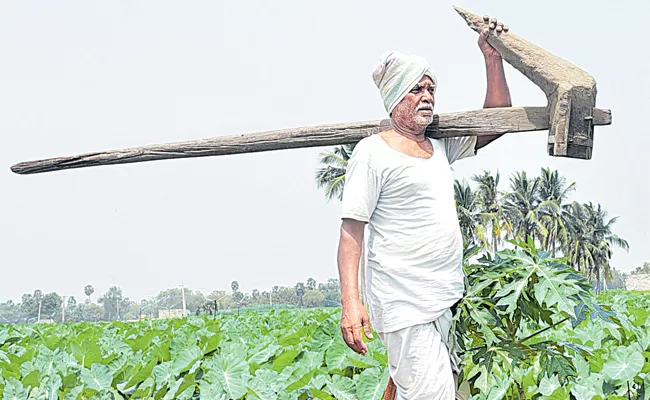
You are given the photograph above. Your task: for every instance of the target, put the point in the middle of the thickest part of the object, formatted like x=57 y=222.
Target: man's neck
x=415 y=132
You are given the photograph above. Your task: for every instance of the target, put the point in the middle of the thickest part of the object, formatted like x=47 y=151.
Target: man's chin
x=423 y=121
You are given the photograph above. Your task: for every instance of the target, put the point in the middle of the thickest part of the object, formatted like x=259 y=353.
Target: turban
x=397 y=73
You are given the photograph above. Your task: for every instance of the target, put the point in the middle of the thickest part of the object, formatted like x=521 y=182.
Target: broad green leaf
x=141 y=374
x=264 y=354
x=145 y=389
x=336 y=359
x=98 y=377
x=371 y=383
x=499 y=388
x=14 y=390
x=264 y=385
x=211 y=344
x=186 y=382
x=32 y=379
x=556 y=365
x=186 y=359
x=342 y=388
x=87 y=353
x=230 y=372
x=164 y=375
x=553 y=289
x=321 y=395
x=548 y=385
x=623 y=365
x=285 y=359
x=558 y=394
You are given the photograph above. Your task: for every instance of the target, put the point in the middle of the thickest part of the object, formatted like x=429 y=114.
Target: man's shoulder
x=366 y=149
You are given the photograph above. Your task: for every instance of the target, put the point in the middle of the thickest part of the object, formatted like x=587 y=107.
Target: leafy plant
x=516 y=300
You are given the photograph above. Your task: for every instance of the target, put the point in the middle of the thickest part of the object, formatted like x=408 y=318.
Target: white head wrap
x=397 y=73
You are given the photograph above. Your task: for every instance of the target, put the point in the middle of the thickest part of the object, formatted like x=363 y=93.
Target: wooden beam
x=571 y=92
x=481 y=122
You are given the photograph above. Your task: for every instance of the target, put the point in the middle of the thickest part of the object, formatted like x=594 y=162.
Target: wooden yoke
x=569 y=117
x=570 y=91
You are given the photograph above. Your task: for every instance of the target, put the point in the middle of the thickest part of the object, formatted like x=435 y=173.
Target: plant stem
x=629 y=396
x=542 y=331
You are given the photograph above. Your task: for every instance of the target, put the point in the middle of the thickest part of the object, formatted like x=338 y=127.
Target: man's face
x=416 y=108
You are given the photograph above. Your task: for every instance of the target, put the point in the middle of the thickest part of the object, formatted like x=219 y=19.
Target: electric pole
x=63 y=311
x=183 y=295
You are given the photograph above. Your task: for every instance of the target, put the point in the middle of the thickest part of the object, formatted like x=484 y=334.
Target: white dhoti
x=419 y=360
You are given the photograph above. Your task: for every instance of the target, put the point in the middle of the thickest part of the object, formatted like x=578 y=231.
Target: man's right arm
x=353 y=315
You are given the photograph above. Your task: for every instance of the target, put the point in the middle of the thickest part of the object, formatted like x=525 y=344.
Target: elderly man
x=400 y=183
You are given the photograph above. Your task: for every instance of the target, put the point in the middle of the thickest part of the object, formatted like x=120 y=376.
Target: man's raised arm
x=497 y=94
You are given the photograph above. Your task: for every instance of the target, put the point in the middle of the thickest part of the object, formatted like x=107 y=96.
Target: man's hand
x=353 y=317
x=492 y=25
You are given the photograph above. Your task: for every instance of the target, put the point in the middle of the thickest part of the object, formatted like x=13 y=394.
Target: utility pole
x=183 y=295
x=117 y=305
x=63 y=311
x=39 y=311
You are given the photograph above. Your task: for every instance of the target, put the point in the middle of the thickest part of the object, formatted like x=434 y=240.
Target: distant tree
x=333 y=284
x=173 y=298
x=93 y=312
x=311 y=284
x=314 y=298
x=300 y=291
x=114 y=304
x=644 y=269
x=10 y=313
x=332 y=299
x=89 y=290
x=234 y=286
x=256 y=296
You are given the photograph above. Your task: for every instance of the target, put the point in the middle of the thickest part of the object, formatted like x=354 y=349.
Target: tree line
x=113 y=305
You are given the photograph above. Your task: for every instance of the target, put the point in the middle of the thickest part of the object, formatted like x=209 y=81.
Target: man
x=399 y=182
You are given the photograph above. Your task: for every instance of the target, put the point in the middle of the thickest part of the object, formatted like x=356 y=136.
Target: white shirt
x=415 y=246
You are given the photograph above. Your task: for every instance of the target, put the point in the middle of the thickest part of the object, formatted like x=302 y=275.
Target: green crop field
x=294 y=354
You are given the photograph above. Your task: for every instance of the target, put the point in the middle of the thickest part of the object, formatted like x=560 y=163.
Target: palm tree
x=521 y=207
x=332 y=176
x=552 y=186
x=89 y=290
x=553 y=192
x=491 y=211
x=591 y=242
x=467 y=209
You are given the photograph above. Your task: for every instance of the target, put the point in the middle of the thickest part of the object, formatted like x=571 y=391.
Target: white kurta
x=414 y=268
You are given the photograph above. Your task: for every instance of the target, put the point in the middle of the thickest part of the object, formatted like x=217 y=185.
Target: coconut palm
x=491 y=210
x=591 y=242
x=332 y=176
x=468 y=214
x=521 y=207
x=553 y=192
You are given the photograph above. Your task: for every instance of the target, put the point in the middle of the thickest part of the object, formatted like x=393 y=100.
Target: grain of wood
x=467 y=123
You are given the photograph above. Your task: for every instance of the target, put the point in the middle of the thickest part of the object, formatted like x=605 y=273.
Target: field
x=293 y=354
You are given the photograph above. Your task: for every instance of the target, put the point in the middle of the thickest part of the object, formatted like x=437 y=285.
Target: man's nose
x=428 y=96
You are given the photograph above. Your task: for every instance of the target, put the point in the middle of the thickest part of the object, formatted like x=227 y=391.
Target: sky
x=82 y=75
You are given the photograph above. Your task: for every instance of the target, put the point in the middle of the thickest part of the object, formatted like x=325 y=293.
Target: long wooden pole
x=467 y=123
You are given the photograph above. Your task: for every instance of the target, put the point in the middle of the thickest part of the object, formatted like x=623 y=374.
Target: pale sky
x=82 y=76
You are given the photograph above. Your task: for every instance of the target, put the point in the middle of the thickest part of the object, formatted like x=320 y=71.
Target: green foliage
x=281 y=354
x=529 y=327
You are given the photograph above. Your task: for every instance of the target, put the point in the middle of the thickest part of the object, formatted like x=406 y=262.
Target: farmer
x=400 y=183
